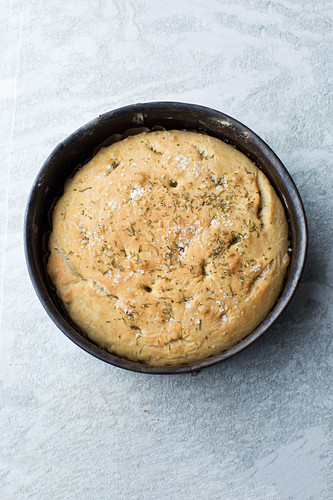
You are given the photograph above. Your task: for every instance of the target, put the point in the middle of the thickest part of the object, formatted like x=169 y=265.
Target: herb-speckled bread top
x=168 y=247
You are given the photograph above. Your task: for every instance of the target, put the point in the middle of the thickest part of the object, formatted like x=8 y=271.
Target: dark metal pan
x=79 y=147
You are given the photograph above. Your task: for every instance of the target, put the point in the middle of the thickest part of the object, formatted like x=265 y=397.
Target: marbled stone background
x=258 y=426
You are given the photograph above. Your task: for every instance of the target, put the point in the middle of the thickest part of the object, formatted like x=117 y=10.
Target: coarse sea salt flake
x=136 y=193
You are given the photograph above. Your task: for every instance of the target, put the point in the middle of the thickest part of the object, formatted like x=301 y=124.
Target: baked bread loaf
x=168 y=247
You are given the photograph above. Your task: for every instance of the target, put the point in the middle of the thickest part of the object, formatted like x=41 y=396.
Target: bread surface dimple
x=168 y=247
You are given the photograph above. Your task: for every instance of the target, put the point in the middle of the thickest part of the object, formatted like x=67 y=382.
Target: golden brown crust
x=168 y=247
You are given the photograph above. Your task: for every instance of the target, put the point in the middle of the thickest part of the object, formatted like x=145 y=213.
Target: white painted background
x=258 y=426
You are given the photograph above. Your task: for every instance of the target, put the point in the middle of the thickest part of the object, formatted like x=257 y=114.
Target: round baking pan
x=79 y=147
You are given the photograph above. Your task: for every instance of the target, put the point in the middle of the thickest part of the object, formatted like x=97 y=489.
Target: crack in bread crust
x=168 y=247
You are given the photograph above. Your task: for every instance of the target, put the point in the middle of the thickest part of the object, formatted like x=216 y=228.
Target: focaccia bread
x=168 y=247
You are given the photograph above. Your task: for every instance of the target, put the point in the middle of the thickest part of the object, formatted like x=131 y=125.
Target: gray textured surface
x=256 y=427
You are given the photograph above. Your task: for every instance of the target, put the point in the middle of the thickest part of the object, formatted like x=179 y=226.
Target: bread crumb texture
x=168 y=247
